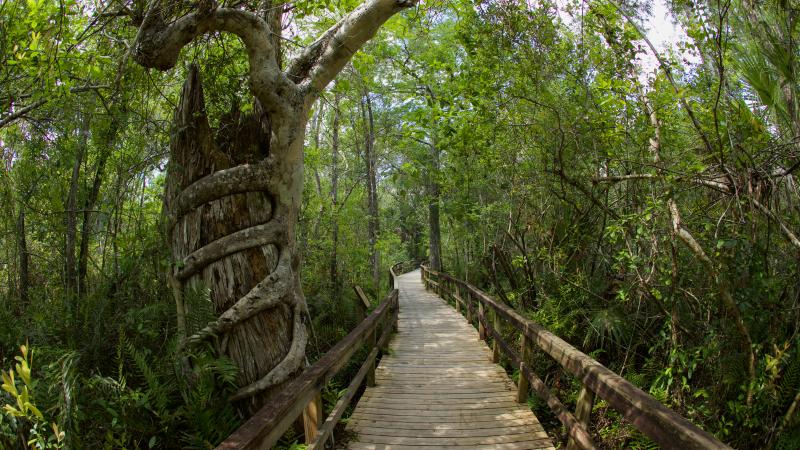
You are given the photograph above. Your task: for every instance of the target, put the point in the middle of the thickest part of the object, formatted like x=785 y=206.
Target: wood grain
x=437 y=387
x=664 y=426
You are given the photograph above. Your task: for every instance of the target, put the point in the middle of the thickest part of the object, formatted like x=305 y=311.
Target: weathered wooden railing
x=654 y=420
x=302 y=395
x=399 y=269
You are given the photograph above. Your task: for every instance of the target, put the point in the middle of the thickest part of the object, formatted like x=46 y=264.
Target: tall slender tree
x=334 y=261
x=371 y=165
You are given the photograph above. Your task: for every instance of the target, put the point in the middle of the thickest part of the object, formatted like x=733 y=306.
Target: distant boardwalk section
x=438 y=389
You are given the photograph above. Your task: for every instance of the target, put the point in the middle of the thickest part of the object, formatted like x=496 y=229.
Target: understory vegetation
x=641 y=202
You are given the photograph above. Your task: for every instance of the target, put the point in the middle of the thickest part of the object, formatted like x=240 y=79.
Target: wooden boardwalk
x=438 y=389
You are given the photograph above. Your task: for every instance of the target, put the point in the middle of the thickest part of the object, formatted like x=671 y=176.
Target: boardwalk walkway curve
x=438 y=388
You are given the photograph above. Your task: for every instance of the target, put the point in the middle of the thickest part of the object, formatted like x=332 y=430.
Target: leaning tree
x=233 y=194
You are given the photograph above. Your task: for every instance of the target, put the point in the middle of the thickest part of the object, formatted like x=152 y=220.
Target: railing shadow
x=301 y=395
x=664 y=426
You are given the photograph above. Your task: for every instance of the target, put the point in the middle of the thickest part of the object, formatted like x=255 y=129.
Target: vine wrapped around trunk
x=233 y=197
x=228 y=229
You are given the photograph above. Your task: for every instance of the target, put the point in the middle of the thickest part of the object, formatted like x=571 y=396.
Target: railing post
x=459 y=297
x=481 y=319
x=395 y=311
x=312 y=418
x=372 y=340
x=583 y=412
x=522 y=385
x=495 y=344
x=469 y=307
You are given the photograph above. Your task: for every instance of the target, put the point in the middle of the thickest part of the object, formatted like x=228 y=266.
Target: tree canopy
x=192 y=189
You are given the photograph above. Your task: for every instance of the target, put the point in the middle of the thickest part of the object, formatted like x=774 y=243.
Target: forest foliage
x=648 y=218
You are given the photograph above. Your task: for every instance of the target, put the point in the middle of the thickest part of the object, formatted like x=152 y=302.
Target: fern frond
x=199 y=307
x=157 y=392
x=790 y=382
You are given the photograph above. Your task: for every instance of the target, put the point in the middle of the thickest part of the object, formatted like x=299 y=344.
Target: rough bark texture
x=212 y=229
x=247 y=175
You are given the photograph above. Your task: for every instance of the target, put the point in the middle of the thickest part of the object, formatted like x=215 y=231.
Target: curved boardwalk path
x=438 y=389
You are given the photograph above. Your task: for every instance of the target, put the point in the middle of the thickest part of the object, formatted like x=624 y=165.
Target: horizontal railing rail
x=302 y=394
x=664 y=426
x=401 y=268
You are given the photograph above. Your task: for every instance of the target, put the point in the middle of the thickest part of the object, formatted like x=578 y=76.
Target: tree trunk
x=316 y=127
x=334 y=263
x=71 y=226
x=87 y=226
x=24 y=258
x=434 y=231
x=233 y=201
x=370 y=161
x=233 y=232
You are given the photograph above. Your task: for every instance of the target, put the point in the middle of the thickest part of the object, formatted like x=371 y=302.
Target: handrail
x=399 y=268
x=264 y=428
x=664 y=426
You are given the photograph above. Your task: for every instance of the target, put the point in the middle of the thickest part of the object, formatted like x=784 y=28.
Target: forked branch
x=159 y=45
x=336 y=47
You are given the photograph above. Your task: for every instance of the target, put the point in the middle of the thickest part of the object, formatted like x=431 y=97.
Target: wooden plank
x=583 y=412
x=530 y=445
x=383 y=379
x=265 y=427
x=429 y=359
x=474 y=369
x=443 y=404
x=525 y=357
x=437 y=391
x=446 y=433
x=440 y=384
x=490 y=392
x=362 y=296
x=486 y=426
x=661 y=424
x=437 y=388
x=462 y=413
x=448 y=441
x=496 y=420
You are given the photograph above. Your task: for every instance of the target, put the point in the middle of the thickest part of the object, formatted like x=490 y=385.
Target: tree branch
x=16 y=115
x=326 y=57
x=159 y=45
x=724 y=187
x=25 y=110
x=784 y=228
